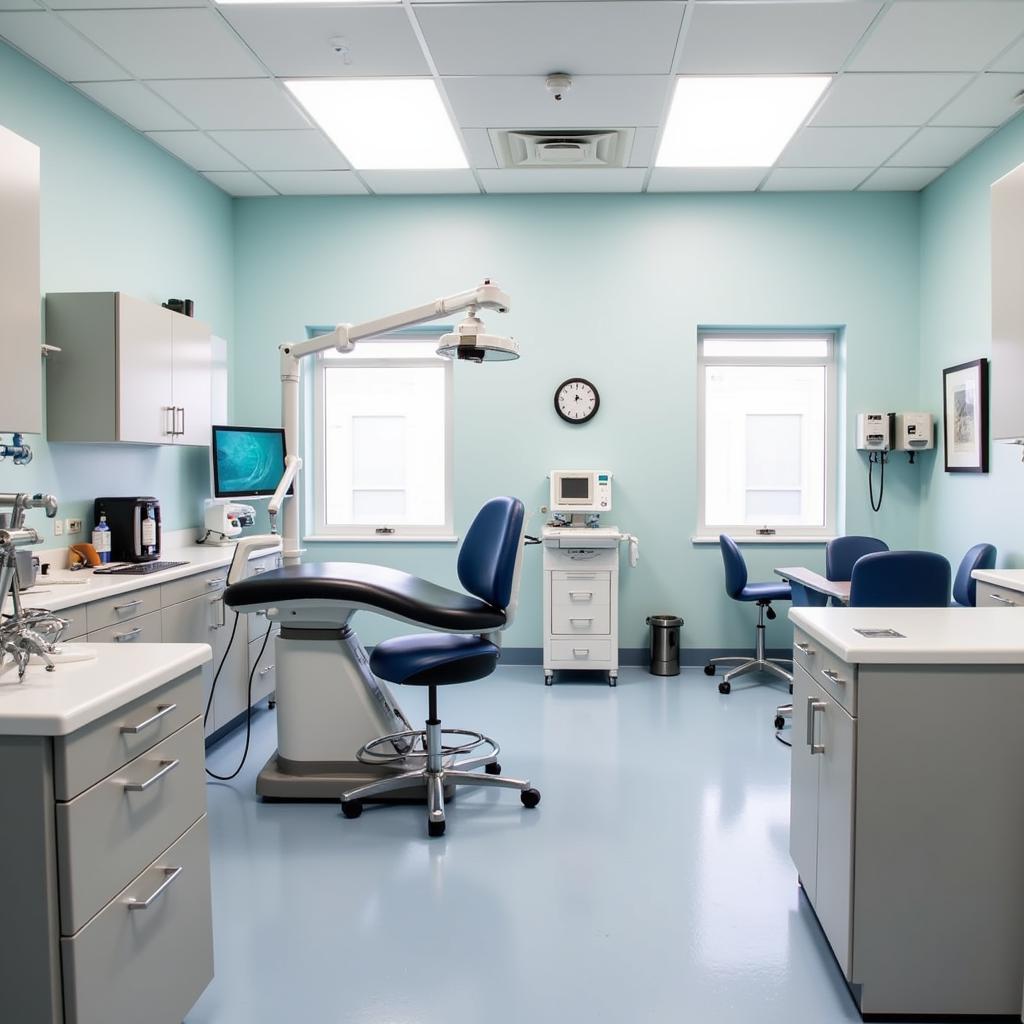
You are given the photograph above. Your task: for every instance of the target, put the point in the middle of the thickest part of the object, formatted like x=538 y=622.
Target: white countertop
x=931 y=636
x=61 y=702
x=1012 y=579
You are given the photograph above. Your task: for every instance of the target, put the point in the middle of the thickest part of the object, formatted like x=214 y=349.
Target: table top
x=1011 y=579
x=815 y=581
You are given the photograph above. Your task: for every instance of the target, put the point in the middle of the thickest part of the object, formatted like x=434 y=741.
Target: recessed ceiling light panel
x=736 y=121
x=384 y=124
x=307 y=3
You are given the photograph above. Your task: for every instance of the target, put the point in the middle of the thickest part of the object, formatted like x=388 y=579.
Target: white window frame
x=321 y=529
x=746 y=532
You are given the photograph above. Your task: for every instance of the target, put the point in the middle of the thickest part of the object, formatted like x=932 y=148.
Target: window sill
x=763 y=540
x=394 y=538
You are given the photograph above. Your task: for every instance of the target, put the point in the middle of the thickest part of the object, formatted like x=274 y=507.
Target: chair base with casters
x=759 y=662
x=434 y=661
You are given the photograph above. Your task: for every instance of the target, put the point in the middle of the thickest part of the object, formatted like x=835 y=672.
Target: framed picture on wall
x=965 y=417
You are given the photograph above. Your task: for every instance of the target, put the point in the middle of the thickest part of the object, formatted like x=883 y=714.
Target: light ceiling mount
x=558 y=84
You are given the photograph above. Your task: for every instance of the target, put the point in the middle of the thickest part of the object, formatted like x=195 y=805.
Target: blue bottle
x=101 y=538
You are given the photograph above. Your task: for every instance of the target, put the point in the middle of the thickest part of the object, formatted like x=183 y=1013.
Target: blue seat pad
x=765 y=592
x=433 y=659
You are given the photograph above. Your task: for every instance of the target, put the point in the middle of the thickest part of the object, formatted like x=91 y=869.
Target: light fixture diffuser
x=384 y=124
x=306 y=3
x=736 y=121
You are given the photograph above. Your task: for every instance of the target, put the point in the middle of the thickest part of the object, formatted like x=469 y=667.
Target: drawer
x=146 y=629
x=581 y=652
x=264 y=682
x=264 y=563
x=112 y=610
x=581 y=620
x=109 y=833
x=77 y=624
x=109 y=743
x=210 y=581
x=830 y=672
x=150 y=964
x=991 y=596
x=581 y=593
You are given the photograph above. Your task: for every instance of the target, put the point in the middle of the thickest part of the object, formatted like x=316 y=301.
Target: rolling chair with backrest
x=900 y=579
x=489 y=568
x=841 y=554
x=965 y=586
x=737 y=587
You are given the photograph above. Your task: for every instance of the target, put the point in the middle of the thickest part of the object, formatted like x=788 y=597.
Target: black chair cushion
x=433 y=659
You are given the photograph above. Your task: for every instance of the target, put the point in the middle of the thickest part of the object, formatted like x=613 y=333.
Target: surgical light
x=736 y=121
x=470 y=342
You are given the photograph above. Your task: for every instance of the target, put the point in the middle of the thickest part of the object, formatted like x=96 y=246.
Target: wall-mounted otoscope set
x=879 y=433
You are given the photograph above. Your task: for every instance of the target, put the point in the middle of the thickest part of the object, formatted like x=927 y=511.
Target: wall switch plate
x=58 y=527
x=73 y=526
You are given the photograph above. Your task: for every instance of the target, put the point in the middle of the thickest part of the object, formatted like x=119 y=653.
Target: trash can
x=664 y=644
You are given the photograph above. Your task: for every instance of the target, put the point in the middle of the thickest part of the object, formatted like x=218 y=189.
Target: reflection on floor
x=652 y=884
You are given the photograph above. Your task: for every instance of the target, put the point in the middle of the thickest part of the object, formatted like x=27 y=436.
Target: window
x=383 y=440
x=766 y=434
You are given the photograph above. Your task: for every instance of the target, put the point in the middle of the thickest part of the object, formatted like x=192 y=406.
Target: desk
x=839 y=589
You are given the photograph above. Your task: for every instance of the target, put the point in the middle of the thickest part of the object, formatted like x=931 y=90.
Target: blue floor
x=652 y=884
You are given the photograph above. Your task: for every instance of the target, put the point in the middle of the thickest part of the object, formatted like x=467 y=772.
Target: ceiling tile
x=178 y=43
x=815 y=179
x=420 y=182
x=282 y=151
x=45 y=38
x=233 y=103
x=644 y=141
x=843 y=147
x=296 y=41
x=938 y=147
x=939 y=35
x=900 y=179
x=314 y=183
x=988 y=100
x=1012 y=60
x=239 y=183
x=705 y=179
x=880 y=99
x=134 y=103
x=479 y=148
x=603 y=101
x=197 y=150
x=19 y=5
x=584 y=38
x=91 y=5
x=626 y=179
x=773 y=38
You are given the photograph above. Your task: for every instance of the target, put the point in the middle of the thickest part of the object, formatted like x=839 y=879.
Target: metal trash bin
x=664 y=644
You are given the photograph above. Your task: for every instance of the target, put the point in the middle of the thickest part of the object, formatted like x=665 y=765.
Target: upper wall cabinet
x=1008 y=307
x=21 y=408
x=127 y=371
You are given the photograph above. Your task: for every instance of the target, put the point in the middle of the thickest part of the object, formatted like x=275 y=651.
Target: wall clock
x=577 y=400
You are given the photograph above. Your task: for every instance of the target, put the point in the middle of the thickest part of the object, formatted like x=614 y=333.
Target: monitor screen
x=248 y=462
x=575 y=488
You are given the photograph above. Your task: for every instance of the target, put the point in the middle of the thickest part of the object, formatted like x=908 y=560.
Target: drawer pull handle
x=585 y=622
x=580 y=576
x=215 y=581
x=126 y=638
x=580 y=652
x=804 y=649
x=165 y=768
x=832 y=676
x=128 y=604
x=260 y=569
x=813 y=707
x=1002 y=600
x=581 y=595
x=265 y=671
x=161 y=710
x=170 y=874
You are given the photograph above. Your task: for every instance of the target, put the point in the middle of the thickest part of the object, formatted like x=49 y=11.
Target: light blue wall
x=118 y=214
x=960 y=509
x=611 y=288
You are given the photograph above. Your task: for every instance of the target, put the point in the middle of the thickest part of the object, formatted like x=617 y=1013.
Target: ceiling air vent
x=604 y=148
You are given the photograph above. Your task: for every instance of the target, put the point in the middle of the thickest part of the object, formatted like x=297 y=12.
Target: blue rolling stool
x=965 y=586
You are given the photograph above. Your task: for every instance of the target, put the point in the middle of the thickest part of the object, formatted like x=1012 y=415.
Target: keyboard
x=140 y=569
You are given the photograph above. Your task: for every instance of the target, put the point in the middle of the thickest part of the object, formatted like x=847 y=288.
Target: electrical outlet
x=58 y=527
x=73 y=526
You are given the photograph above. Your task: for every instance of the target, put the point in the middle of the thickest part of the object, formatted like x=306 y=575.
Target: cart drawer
x=582 y=651
x=576 y=621
x=109 y=611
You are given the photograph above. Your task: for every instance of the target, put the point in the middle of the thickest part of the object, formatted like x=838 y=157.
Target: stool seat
x=764 y=592
x=433 y=659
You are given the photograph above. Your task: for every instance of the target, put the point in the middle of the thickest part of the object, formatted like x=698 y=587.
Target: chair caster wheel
x=351 y=808
x=493 y=768
x=724 y=687
x=780 y=723
x=530 y=797
x=709 y=670
x=435 y=829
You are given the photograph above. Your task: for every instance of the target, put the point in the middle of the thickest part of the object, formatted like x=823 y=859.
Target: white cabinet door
x=145 y=413
x=192 y=359
x=803 y=817
x=20 y=352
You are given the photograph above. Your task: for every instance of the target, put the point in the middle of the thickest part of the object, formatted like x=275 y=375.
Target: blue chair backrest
x=842 y=552
x=900 y=579
x=965 y=587
x=487 y=561
x=735 y=566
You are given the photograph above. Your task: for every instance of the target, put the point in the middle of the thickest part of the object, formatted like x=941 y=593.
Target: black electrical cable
x=778 y=736
x=216 y=675
x=874 y=457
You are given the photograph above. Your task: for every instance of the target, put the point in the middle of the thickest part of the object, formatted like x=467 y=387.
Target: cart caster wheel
x=351 y=808
x=780 y=723
x=435 y=829
x=271 y=704
x=709 y=669
x=548 y=680
x=493 y=768
x=530 y=797
x=724 y=687
x=613 y=680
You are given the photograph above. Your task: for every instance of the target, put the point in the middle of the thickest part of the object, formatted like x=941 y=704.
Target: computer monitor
x=580 y=490
x=247 y=462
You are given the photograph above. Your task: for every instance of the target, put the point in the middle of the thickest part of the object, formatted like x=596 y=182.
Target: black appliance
x=134 y=527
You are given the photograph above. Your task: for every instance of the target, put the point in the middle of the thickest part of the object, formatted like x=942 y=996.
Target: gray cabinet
x=20 y=353
x=128 y=370
x=1007 y=410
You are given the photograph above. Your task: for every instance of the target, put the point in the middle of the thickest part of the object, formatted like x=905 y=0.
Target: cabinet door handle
x=128 y=604
x=804 y=649
x=581 y=595
x=161 y=710
x=1002 y=600
x=181 y=429
x=832 y=676
x=170 y=874
x=265 y=671
x=813 y=707
x=165 y=768
x=215 y=581
x=169 y=421
x=217 y=617
x=126 y=638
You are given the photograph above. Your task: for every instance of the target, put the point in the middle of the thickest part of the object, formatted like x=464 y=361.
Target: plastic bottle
x=101 y=538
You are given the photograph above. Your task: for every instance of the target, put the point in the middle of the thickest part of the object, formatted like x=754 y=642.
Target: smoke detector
x=576 y=148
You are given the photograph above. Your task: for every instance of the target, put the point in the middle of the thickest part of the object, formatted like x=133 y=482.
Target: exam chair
x=965 y=586
x=900 y=579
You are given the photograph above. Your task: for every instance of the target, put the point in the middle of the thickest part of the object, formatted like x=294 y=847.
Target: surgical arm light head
x=470 y=342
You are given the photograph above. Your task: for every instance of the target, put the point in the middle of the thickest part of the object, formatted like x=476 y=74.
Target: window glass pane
x=378 y=506
x=378 y=451
x=762 y=505
x=773 y=449
x=768 y=347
